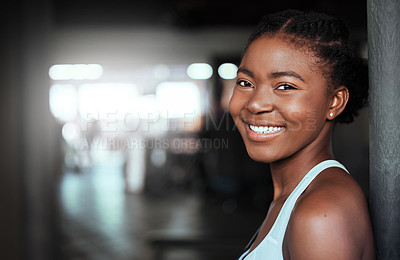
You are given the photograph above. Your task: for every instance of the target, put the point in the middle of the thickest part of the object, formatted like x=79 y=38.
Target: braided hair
x=328 y=39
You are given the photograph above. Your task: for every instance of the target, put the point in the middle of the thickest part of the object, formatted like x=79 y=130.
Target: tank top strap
x=279 y=228
x=310 y=176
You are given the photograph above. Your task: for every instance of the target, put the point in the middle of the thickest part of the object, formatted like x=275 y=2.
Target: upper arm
x=324 y=228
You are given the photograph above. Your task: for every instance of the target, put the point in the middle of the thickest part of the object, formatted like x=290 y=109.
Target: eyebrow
x=246 y=71
x=278 y=74
x=287 y=73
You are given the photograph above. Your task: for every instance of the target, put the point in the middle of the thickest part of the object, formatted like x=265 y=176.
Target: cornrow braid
x=328 y=38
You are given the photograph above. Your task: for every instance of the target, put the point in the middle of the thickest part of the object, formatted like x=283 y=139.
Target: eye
x=285 y=87
x=244 y=83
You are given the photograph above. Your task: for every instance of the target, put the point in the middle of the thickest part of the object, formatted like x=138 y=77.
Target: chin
x=261 y=157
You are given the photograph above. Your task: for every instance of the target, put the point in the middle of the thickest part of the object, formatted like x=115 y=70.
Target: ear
x=338 y=102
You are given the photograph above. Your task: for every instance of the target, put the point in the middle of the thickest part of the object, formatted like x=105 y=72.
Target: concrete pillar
x=384 y=69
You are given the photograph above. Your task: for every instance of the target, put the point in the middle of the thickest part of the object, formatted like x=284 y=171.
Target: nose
x=261 y=101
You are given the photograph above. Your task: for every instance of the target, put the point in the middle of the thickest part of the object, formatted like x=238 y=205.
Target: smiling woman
x=298 y=76
x=279 y=92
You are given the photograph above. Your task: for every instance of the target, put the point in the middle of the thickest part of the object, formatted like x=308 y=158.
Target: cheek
x=235 y=104
x=305 y=114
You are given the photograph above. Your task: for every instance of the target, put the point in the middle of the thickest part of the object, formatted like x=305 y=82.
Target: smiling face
x=280 y=103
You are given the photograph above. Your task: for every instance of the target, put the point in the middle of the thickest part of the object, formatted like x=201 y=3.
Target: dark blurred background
x=116 y=140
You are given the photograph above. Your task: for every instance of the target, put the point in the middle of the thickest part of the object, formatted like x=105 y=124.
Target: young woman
x=298 y=76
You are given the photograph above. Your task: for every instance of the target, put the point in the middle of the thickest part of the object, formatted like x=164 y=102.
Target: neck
x=287 y=173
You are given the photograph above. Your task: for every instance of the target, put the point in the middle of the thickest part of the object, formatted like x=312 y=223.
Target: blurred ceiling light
x=63 y=102
x=227 y=71
x=179 y=99
x=199 y=71
x=75 y=71
x=103 y=99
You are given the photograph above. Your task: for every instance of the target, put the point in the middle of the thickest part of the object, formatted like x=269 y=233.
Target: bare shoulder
x=330 y=220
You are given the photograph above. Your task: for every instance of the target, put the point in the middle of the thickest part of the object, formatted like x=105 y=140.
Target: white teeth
x=265 y=129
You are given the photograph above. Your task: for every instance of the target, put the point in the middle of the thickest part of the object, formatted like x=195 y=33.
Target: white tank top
x=271 y=246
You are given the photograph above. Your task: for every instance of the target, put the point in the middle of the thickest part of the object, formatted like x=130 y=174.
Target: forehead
x=277 y=54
